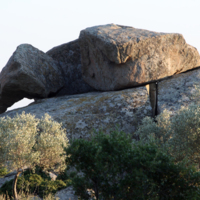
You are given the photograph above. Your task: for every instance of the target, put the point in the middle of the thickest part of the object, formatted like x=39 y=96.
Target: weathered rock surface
x=69 y=58
x=29 y=73
x=80 y=114
x=116 y=57
x=179 y=90
x=5 y=179
x=69 y=194
x=66 y=194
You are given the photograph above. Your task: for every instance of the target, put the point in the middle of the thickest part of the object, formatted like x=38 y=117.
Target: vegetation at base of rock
x=162 y=165
x=26 y=142
x=3 y=171
x=178 y=134
x=23 y=196
x=37 y=183
x=114 y=166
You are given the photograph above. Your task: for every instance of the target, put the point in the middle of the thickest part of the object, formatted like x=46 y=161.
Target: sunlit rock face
x=83 y=113
x=68 y=57
x=111 y=76
x=29 y=73
x=179 y=90
x=116 y=57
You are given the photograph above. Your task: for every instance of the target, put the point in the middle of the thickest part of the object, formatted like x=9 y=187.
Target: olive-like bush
x=178 y=134
x=26 y=141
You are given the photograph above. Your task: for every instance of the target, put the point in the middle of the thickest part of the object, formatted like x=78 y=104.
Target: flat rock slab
x=29 y=73
x=116 y=57
x=81 y=114
x=68 y=56
x=179 y=90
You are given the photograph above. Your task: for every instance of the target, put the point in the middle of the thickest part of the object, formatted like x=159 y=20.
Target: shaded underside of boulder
x=29 y=73
x=69 y=58
x=116 y=57
x=179 y=90
x=81 y=114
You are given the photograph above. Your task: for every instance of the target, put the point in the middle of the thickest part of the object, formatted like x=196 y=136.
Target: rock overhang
x=104 y=58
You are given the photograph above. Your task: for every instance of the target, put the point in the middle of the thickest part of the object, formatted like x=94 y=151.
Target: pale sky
x=49 y=23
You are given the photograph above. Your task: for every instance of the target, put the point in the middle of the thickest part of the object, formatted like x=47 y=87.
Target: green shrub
x=38 y=184
x=27 y=141
x=23 y=185
x=179 y=134
x=51 y=187
x=3 y=171
x=65 y=178
x=6 y=189
x=63 y=175
x=115 y=167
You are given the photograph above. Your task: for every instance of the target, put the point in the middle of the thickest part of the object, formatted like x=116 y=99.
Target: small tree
x=116 y=168
x=180 y=133
x=101 y=160
x=26 y=141
x=185 y=134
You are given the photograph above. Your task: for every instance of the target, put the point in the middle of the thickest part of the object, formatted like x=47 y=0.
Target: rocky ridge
x=111 y=75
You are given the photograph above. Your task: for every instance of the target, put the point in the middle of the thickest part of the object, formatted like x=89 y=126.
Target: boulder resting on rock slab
x=116 y=57
x=68 y=56
x=81 y=114
x=29 y=73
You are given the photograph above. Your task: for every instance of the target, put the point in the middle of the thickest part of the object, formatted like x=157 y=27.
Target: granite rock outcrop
x=81 y=114
x=29 y=73
x=72 y=82
x=177 y=91
x=116 y=57
x=68 y=57
x=111 y=76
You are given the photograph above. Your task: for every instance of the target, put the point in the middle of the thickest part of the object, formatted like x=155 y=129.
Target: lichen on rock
x=81 y=114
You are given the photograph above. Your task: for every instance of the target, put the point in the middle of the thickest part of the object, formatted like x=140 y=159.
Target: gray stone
x=80 y=114
x=69 y=194
x=116 y=57
x=179 y=90
x=29 y=73
x=69 y=58
x=5 y=179
x=66 y=194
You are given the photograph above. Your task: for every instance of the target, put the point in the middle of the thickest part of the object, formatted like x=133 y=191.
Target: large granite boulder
x=116 y=57
x=179 y=90
x=80 y=114
x=69 y=58
x=29 y=73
